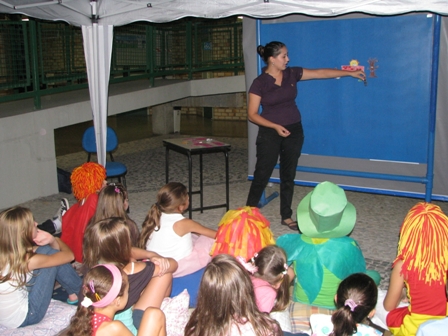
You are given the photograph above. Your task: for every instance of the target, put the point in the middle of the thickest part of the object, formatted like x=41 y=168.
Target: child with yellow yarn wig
x=421 y=265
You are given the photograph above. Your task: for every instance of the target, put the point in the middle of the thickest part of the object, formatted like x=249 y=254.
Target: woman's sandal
x=293 y=225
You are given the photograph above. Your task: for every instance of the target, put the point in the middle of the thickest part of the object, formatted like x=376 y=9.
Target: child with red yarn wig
x=87 y=180
x=421 y=265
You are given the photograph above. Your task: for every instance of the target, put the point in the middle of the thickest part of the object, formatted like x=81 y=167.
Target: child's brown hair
x=355 y=299
x=111 y=200
x=169 y=198
x=97 y=283
x=272 y=268
x=226 y=297
x=107 y=241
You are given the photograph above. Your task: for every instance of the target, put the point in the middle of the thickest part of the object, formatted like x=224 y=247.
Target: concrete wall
x=27 y=149
x=224 y=106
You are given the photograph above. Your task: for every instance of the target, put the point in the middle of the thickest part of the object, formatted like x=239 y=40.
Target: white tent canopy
x=92 y=14
x=121 y=12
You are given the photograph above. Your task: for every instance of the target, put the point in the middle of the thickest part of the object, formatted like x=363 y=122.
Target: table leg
x=226 y=154
x=190 y=185
x=201 y=183
x=167 y=164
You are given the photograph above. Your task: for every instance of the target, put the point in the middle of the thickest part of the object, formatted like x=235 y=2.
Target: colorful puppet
x=323 y=256
x=242 y=233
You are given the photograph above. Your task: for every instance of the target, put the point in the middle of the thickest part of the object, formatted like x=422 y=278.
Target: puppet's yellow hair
x=423 y=245
x=87 y=179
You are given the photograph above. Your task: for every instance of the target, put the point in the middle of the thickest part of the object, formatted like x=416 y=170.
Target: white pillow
x=176 y=313
x=56 y=319
x=283 y=318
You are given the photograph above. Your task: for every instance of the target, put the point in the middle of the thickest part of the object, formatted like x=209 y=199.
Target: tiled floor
x=378 y=217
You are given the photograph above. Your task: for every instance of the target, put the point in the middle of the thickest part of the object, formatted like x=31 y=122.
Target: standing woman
x=280 y=127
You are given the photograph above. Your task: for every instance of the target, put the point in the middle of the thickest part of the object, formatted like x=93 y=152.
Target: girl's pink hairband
x=351 y=304
x=113 y=291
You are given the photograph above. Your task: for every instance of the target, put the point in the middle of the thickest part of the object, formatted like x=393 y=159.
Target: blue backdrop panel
x=389 y=118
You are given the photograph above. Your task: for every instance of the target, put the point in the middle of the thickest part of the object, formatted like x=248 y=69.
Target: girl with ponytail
x=167 y=232
x=356 y=299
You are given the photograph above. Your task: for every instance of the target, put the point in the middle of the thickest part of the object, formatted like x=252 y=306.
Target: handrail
x=40 y=58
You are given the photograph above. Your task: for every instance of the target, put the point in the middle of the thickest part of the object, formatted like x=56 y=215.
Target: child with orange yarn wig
x=421 y=265
x=87 y=180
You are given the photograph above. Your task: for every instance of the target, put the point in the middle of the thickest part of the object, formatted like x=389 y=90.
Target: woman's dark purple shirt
x=279 y=102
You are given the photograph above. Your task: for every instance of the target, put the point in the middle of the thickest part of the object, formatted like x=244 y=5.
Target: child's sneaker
x=62 y=210
x=65 y=205
x=57 y=218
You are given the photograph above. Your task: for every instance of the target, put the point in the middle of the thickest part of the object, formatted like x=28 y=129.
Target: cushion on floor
x=300 y=315
x=57 y=318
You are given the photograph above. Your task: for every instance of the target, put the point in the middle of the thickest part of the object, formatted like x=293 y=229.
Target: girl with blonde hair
x=30 y=262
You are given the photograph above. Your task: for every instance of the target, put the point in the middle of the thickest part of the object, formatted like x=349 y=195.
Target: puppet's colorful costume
x=242 y=233
x=323 y=255
x=423 y=248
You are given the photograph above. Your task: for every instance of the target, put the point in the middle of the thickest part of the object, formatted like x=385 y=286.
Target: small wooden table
x=198 y=146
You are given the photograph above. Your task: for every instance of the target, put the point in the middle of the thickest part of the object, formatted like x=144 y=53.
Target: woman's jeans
x=40 y=287
x=269 y=146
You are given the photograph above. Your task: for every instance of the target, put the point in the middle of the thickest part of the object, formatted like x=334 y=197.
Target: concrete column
x=162 y=119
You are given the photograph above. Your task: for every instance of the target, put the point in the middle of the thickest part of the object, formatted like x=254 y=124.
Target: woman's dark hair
x=271 y=49
x=356 y=298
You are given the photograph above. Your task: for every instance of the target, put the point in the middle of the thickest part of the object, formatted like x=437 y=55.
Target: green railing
x=40 y=58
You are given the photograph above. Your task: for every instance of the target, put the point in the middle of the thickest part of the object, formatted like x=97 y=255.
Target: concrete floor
x=378 y=217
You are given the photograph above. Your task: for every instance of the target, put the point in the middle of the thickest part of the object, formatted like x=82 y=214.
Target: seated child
x=113 y=202
x=271 y=278
x=167 y=232
x=106 y=291
x=355 y=303
x=30 y=262
x=421 y=266
x=109 y=241
x=226 y=303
